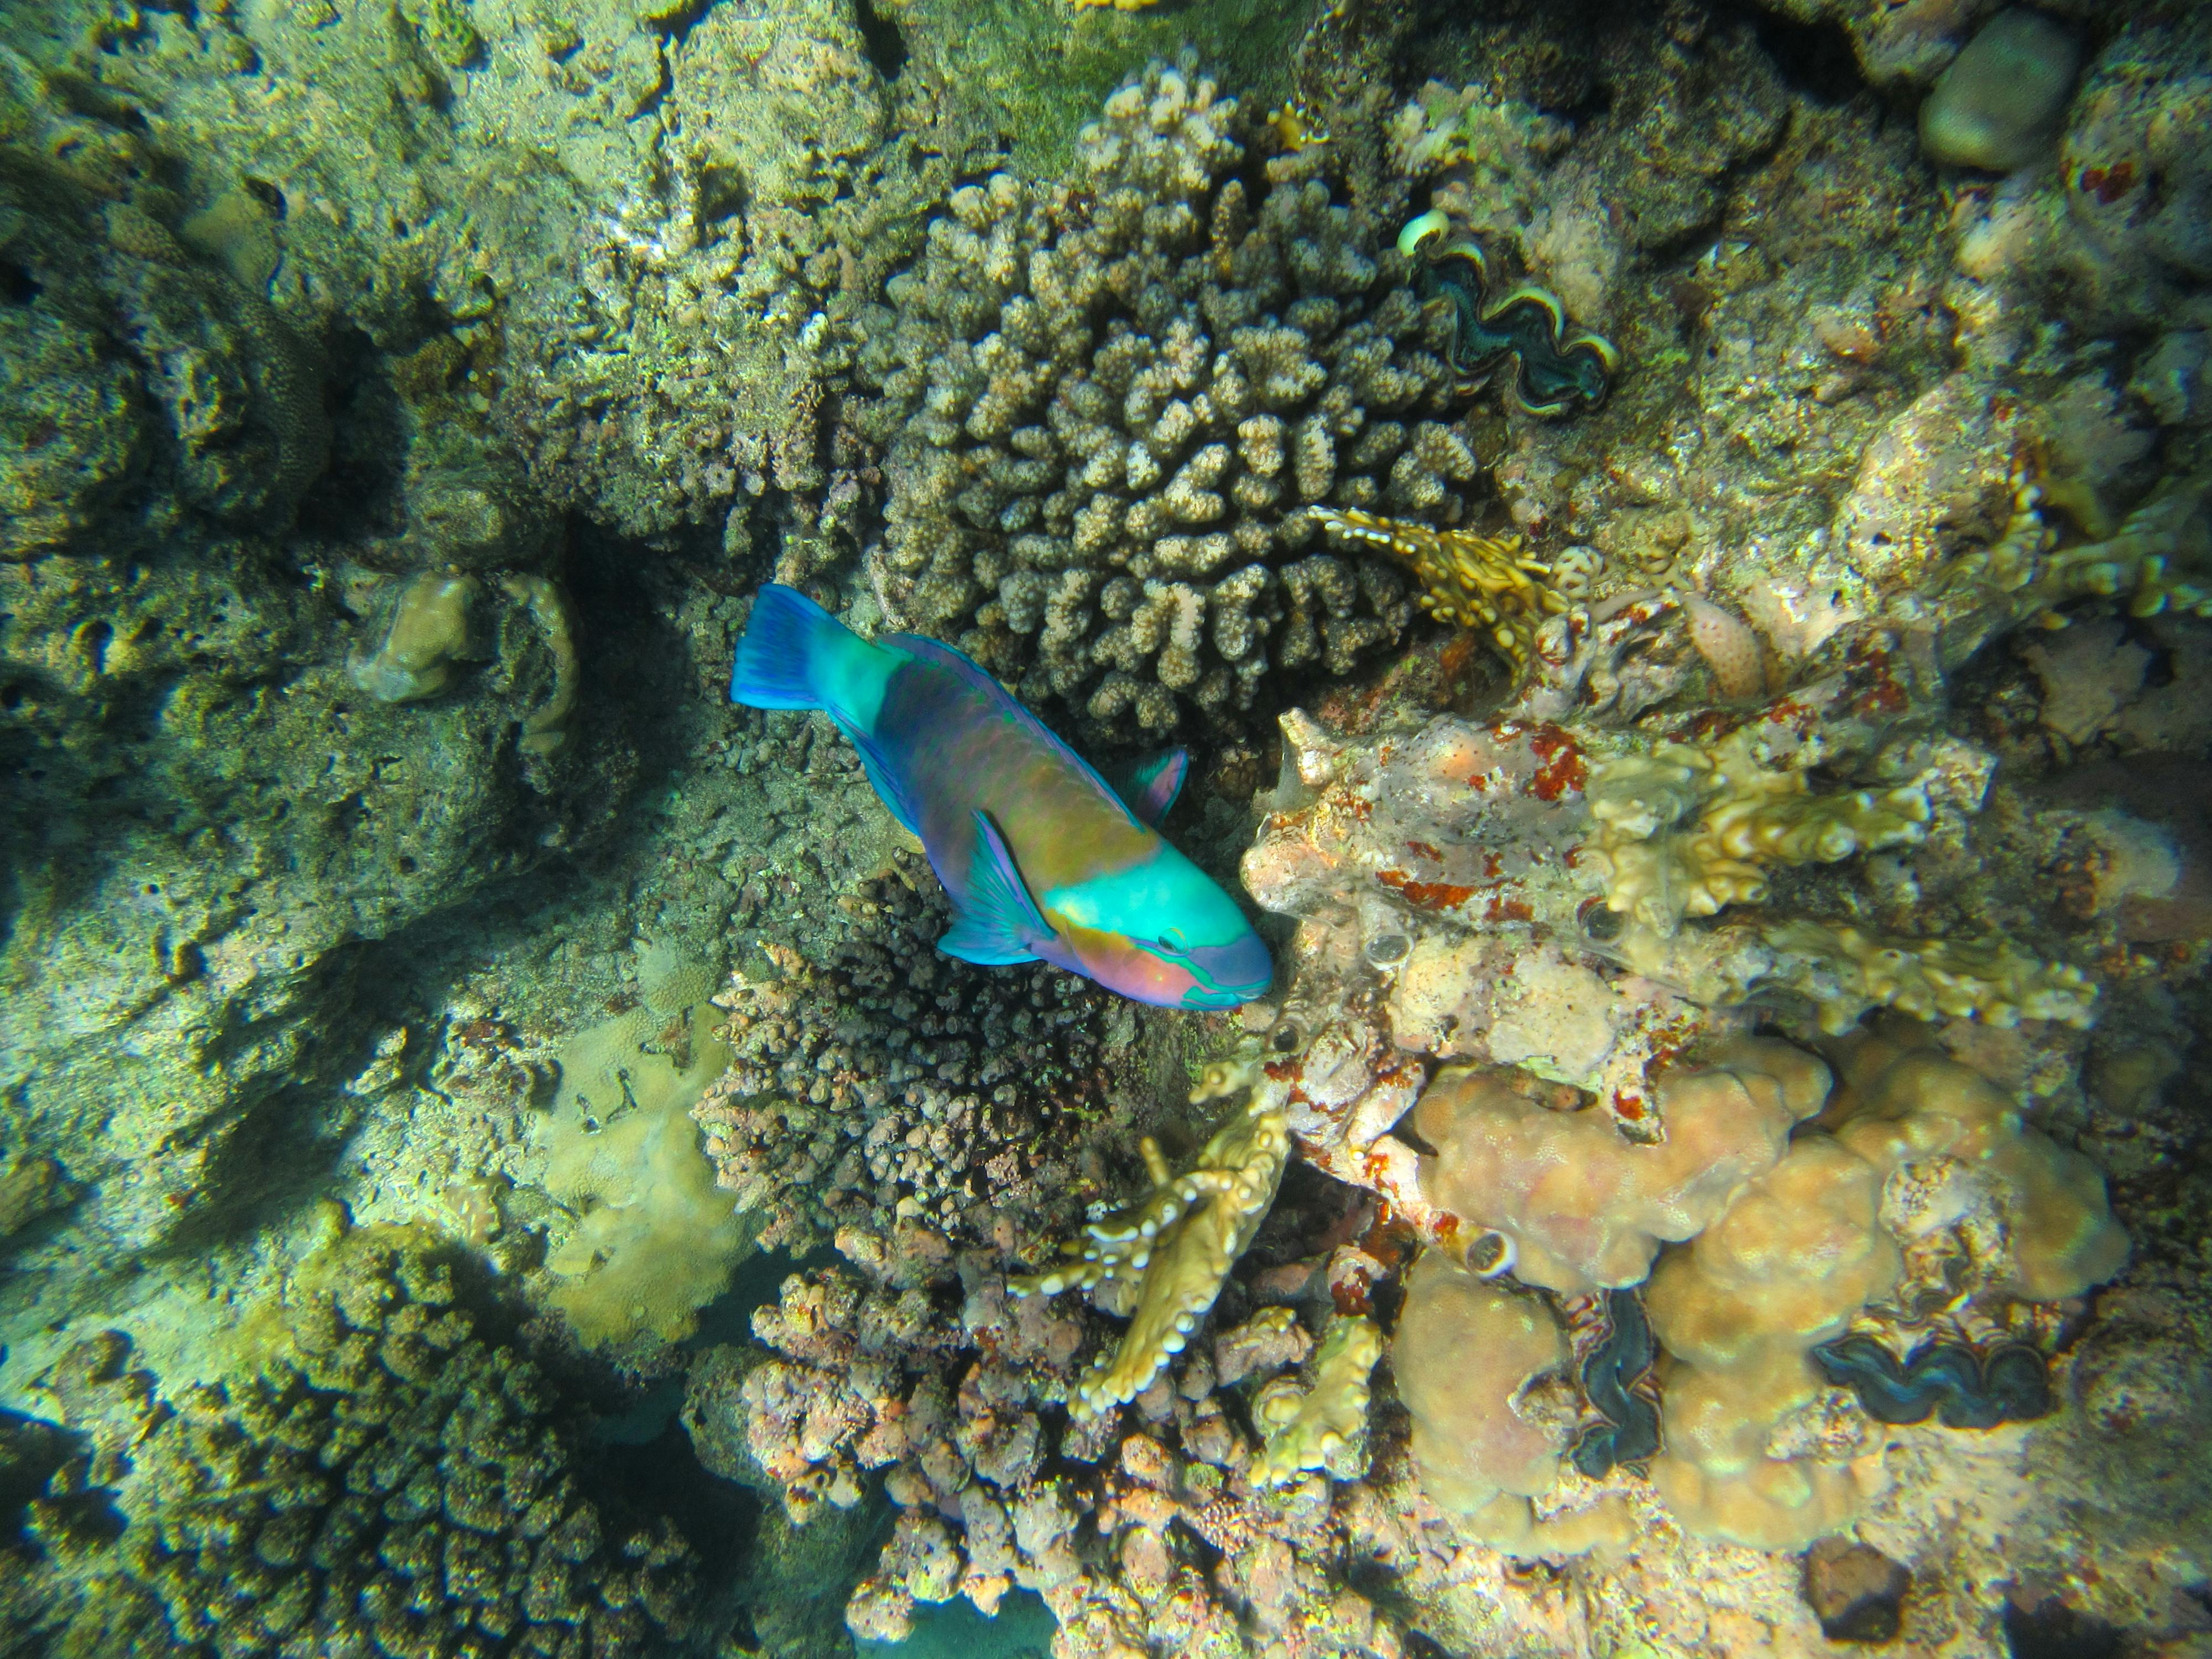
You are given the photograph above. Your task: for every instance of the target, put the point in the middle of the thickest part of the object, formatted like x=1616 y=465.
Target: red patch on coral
x=1428 y=894
x=1560 y=766
x=2109 y=184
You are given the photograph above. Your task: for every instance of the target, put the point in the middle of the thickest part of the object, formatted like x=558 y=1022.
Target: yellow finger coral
x=1178 y=1243
x=1323 y=1426
x=1690 y=828
x=1483 y=584
x=1846 y=971
x=1582 y=1207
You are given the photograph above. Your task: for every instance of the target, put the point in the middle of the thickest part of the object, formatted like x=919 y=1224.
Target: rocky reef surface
x=1680 y=540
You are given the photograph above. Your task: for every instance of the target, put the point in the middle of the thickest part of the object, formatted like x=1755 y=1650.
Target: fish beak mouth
x=1230 y=975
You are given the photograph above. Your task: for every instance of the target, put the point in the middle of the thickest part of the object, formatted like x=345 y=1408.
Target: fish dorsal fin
x=1152 y=787
x=967 y=668
x=998 y=922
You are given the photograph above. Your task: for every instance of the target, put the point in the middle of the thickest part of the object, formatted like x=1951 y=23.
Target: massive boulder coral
x=1114 y=398
x=1581 y=1207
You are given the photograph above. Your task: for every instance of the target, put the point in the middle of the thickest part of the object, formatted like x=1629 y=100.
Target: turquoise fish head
x=1161 y=931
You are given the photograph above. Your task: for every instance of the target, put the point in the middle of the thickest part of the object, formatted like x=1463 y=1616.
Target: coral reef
x=391 y=1480
x=881 y=1073
x=1324 y=1423
x=1688 y=829
x=1481 y=583
x=1582 y=1206
x=654 y=1239
x=1178 y=1242
x=1114 y=399
x=1472 y=1360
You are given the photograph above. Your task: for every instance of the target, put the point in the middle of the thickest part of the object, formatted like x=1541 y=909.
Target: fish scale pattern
x=1110 y=405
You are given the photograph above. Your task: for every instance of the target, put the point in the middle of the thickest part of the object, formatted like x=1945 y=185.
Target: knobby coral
x=1178 y=1243
x=1109 y=403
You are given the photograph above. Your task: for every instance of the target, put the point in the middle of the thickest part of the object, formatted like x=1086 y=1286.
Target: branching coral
x=1846 y=971
x=1116 y=398
x=1690 y=828
x=880 y=1072
x=1481 y=583
x=1178 y=1243
x=393 y=1482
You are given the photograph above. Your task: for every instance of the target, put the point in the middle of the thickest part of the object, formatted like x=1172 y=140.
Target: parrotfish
x=1042 y=857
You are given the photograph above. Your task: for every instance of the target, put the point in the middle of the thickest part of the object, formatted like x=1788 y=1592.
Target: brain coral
x=1112 y=402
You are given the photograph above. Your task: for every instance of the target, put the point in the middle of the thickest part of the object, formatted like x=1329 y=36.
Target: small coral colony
x=1584 y=1130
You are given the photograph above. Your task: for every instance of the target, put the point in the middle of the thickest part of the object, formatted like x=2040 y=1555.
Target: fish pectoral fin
x=1153 y=787
x=999 y=922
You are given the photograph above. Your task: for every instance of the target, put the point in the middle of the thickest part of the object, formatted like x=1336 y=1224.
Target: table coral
x=1178 y=1243
x=1112 y=400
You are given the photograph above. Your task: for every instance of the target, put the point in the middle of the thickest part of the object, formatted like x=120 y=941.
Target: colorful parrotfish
x=1042 y=857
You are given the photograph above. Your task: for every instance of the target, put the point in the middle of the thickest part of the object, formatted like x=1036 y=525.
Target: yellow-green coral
x=2159 y=560
x=1690 y=828
x=429 y=633
x=1846 y=971
x=1481 y=583
x=1323 y=1426
x=1178 y=1242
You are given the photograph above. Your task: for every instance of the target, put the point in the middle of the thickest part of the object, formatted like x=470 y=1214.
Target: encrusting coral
x=1114 y=399
x=1484 y=584
x=1846 y=971
x=1178 y=1242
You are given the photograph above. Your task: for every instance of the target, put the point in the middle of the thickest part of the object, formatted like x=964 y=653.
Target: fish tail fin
x=795 y=654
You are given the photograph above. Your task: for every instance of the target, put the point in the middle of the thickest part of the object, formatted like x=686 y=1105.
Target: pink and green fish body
x=1042 y=857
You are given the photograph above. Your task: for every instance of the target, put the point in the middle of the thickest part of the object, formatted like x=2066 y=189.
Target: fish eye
x=1171 y=941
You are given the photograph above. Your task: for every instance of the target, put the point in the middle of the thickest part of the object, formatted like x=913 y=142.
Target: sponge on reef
x=1583 y=1207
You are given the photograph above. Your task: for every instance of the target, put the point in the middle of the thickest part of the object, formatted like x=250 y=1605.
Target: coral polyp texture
x=1178 y=1243
x=389 y=1481
x=1116 y=397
